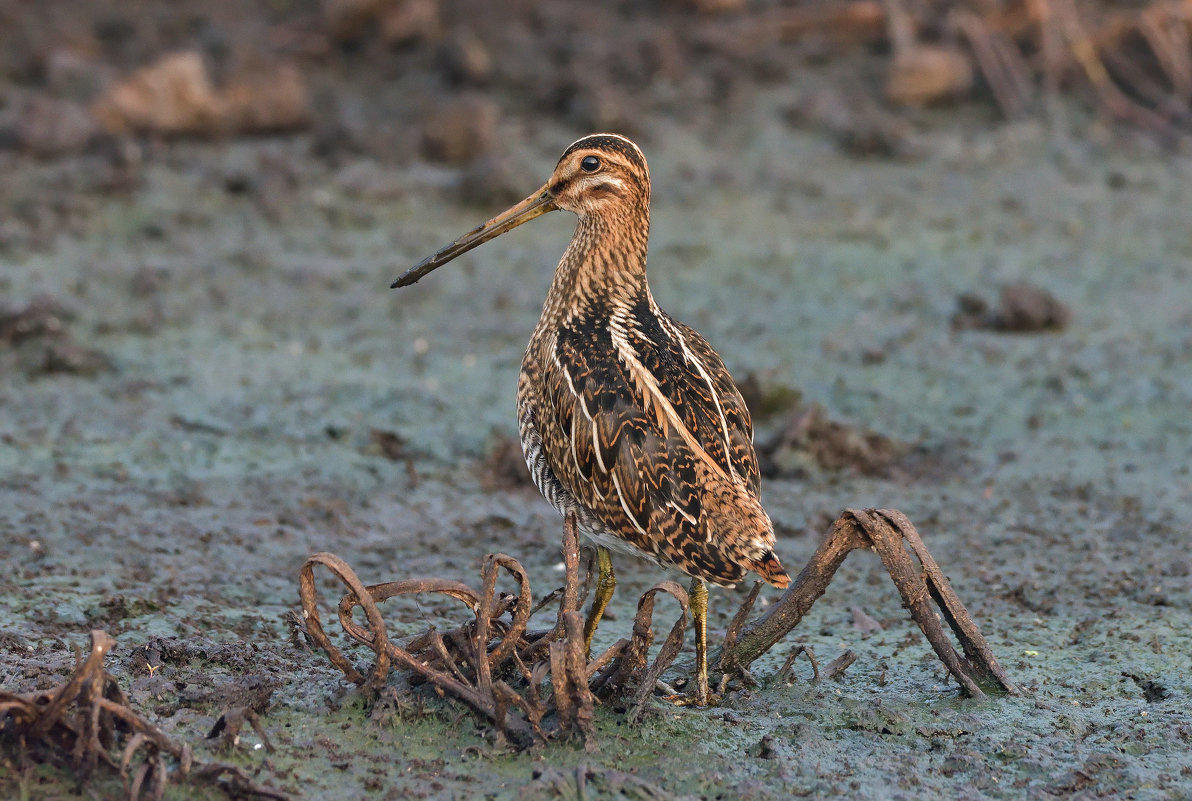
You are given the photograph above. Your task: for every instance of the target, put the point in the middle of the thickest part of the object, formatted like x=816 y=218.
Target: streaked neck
x=604 y=265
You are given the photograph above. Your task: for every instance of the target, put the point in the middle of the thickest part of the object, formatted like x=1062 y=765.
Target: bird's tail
x=769 y=568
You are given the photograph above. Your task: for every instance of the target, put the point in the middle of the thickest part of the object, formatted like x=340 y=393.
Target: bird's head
x=600 y=175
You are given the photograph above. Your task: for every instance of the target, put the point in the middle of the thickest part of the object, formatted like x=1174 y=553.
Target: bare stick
x=738 y=621
x=885 y=531
x=980 y=657
x=761 y=635
x=837 y=666
x=786 y=672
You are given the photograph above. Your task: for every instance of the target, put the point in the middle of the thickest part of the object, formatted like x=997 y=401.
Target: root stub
x=557 y=685
x=87 y=723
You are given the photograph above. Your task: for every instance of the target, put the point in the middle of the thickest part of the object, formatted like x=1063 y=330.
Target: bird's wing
x=643 y=433
x=728 y=402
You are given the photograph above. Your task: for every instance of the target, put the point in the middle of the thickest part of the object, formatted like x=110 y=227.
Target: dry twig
x=786 y=672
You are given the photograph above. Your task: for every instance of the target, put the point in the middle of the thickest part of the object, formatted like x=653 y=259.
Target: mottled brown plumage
x=629 y=418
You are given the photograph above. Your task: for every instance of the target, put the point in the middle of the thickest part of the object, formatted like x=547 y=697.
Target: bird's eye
x=590 y=164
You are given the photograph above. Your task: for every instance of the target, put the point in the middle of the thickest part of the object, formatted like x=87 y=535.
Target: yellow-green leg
x=606 y=582
x=698 y=597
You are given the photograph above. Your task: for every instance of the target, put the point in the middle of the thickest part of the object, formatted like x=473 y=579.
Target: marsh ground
x=250 y=392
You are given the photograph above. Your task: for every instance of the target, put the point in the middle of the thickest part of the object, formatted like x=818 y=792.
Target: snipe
x=629 y=420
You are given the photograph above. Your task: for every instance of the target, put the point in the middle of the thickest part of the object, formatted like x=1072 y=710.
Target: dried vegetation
x=536 y=686
x=1135 y=61
x=88 y=724
x=482 y=661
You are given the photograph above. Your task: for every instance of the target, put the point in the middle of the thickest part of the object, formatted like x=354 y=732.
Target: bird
x=628 y=419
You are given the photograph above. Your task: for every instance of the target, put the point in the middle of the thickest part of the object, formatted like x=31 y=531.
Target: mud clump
x=388 y=444
x=1024 y=309
x=797 y=438
x=812 y=440
x=72 y=359
x=37 y=341
x=47 y=127
x=504 y=468
x=251 y=691
x=43 y=318
x=399 y=22
x=1152 y=690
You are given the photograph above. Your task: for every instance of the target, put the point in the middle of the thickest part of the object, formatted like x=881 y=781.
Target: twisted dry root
x=88 y=718
x=559 y=685
x=466 y=662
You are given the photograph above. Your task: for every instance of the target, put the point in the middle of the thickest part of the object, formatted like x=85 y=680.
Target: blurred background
x=450 y=81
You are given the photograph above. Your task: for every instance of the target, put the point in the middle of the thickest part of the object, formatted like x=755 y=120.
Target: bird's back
x=631 y=419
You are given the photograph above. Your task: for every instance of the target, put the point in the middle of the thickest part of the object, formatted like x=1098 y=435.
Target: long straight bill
x=535 y=205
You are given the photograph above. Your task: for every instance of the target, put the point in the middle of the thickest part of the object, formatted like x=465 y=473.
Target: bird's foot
x=696 y=693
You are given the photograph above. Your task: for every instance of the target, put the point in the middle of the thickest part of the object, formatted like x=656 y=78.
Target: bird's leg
x=698 y=597
x=605 y=584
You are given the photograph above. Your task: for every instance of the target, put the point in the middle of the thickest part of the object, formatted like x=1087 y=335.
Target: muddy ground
x=210 y=381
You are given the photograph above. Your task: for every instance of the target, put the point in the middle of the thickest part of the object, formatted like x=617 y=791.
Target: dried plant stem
x=889 y=533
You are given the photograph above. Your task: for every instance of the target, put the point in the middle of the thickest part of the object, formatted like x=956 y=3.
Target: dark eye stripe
x=606 y=189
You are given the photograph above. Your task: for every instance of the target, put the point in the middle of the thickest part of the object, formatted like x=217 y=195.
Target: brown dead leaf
x=925 y=74
x=172 y=95
x=176 y=96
